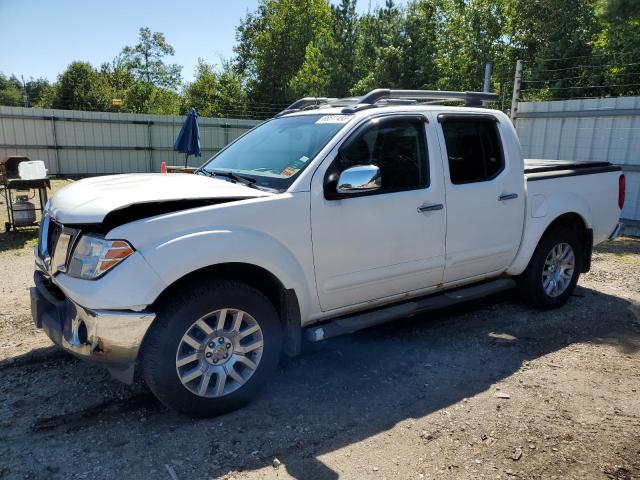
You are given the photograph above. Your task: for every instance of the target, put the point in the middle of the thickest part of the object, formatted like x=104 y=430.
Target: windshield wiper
x=246 y=180
x=203 y=171
x=235 y=176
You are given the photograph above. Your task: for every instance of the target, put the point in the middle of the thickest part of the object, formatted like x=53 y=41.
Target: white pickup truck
x=334 y=216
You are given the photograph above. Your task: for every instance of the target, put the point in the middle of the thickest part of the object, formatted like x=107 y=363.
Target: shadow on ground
x=337 y=393
x=16 y=240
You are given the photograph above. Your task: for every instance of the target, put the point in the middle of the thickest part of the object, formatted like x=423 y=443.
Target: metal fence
x=606 y=129
x=75 y=143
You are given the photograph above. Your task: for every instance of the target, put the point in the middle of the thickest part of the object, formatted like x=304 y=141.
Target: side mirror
x=359 y=179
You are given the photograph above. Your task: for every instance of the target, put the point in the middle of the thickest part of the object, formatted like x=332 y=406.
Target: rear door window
x=474 y=151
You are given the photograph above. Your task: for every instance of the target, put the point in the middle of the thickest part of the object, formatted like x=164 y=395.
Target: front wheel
x=211 y=349
x=554 y=269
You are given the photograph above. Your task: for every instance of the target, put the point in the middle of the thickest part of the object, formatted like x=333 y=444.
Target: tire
x=549 y=285
x=186 y=338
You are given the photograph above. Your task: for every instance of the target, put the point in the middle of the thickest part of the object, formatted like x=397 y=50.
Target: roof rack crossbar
x=391 y=96
x=471 y=99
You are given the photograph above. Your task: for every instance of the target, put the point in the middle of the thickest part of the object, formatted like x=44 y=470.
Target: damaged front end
x=111 y=338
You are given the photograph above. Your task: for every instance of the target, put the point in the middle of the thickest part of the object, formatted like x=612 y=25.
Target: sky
x=39 y=38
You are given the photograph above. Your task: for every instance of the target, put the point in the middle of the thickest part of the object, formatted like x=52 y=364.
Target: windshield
x=274 y=153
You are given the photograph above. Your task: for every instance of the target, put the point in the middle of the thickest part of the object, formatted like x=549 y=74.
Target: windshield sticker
x=287 y=172
x=334 y=119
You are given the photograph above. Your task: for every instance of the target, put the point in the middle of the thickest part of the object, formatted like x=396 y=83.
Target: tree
x=555 y=38
x=272 y=48
x=618 y=47
x=472 y=35
x=420 y=49
x=145 y=60
x=339 y=57
x=313 y=77
x=38 y=90
x=119 y=77
x=10 y=90
x=215 y=94
x=379 y=49
x=81 y=87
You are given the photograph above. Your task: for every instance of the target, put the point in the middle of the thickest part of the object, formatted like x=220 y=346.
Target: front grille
x=55 y=229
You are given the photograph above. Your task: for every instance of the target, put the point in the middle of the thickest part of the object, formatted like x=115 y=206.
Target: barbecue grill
x=18 y=183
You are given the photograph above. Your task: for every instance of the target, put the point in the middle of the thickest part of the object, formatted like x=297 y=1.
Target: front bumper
x=112 y=338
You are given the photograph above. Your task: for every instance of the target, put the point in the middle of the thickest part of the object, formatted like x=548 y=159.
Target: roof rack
x=389 y=96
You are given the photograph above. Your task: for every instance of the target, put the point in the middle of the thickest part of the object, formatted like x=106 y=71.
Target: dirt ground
x=490 y=390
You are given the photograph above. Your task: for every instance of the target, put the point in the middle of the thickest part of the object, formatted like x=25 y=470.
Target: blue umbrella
x=188 y=141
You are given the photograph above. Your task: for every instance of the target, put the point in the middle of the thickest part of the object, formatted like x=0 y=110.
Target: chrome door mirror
x=360 y=179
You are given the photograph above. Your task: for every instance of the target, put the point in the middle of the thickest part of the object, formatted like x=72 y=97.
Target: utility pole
x=517 y=81
x=487 y=78
x=25 y=96
x=487 y=81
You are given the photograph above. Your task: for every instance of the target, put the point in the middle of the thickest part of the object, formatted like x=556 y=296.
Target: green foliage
x=422 y=27
x=339 y=54
x=145 y=60
x=215 y=94
x=38 y=90
x=272 y=48
x=147 y=98
x=472 y=35
x=380 y=49
x=618 y=47
x=81 y=87
x=10 y=90
x=287 y=49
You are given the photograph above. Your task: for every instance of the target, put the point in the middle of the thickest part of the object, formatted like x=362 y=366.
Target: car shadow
x=337 y=393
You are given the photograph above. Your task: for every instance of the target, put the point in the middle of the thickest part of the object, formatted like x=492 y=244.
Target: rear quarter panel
x=593 y=197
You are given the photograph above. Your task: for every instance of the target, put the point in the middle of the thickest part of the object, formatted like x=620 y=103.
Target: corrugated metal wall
x=78 y=143
x=606 y=129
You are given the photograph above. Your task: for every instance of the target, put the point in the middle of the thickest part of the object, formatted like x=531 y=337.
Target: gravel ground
x=492 y=389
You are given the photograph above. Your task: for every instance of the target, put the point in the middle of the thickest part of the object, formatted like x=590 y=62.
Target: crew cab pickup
x=334 y=216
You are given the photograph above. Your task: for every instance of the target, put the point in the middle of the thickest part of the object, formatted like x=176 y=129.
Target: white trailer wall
x=606 y=129
x=75 y=143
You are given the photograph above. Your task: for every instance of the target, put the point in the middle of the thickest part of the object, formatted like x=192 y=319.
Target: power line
x=550 y=80
x=585 y=87
x=588 y=66
x=612 y=54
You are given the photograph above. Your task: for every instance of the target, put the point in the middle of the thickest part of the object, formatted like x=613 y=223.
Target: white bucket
x=32 y=170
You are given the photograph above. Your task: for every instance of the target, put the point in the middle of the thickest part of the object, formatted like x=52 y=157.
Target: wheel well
x=284 y=300
x=575 y=223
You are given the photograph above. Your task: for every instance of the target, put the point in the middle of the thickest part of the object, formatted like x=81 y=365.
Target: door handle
x=430 y=208
x=507 y=196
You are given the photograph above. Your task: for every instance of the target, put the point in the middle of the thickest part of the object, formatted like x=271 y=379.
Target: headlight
x=93 y=256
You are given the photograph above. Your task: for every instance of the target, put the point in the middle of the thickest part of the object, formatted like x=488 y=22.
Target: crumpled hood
x=91 y=199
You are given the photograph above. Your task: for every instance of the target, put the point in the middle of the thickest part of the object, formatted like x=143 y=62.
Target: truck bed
x=538 y=169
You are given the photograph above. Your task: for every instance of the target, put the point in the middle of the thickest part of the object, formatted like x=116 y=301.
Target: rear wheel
x=210 y=350
x=553 y=271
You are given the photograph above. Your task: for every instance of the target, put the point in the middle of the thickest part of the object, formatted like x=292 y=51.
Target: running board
x=354 y=323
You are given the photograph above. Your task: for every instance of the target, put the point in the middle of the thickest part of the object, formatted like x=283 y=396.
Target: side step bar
x=357 y=322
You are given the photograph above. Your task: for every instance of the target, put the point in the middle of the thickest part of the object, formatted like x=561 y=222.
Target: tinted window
x=397 y=147
x=473 y=149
